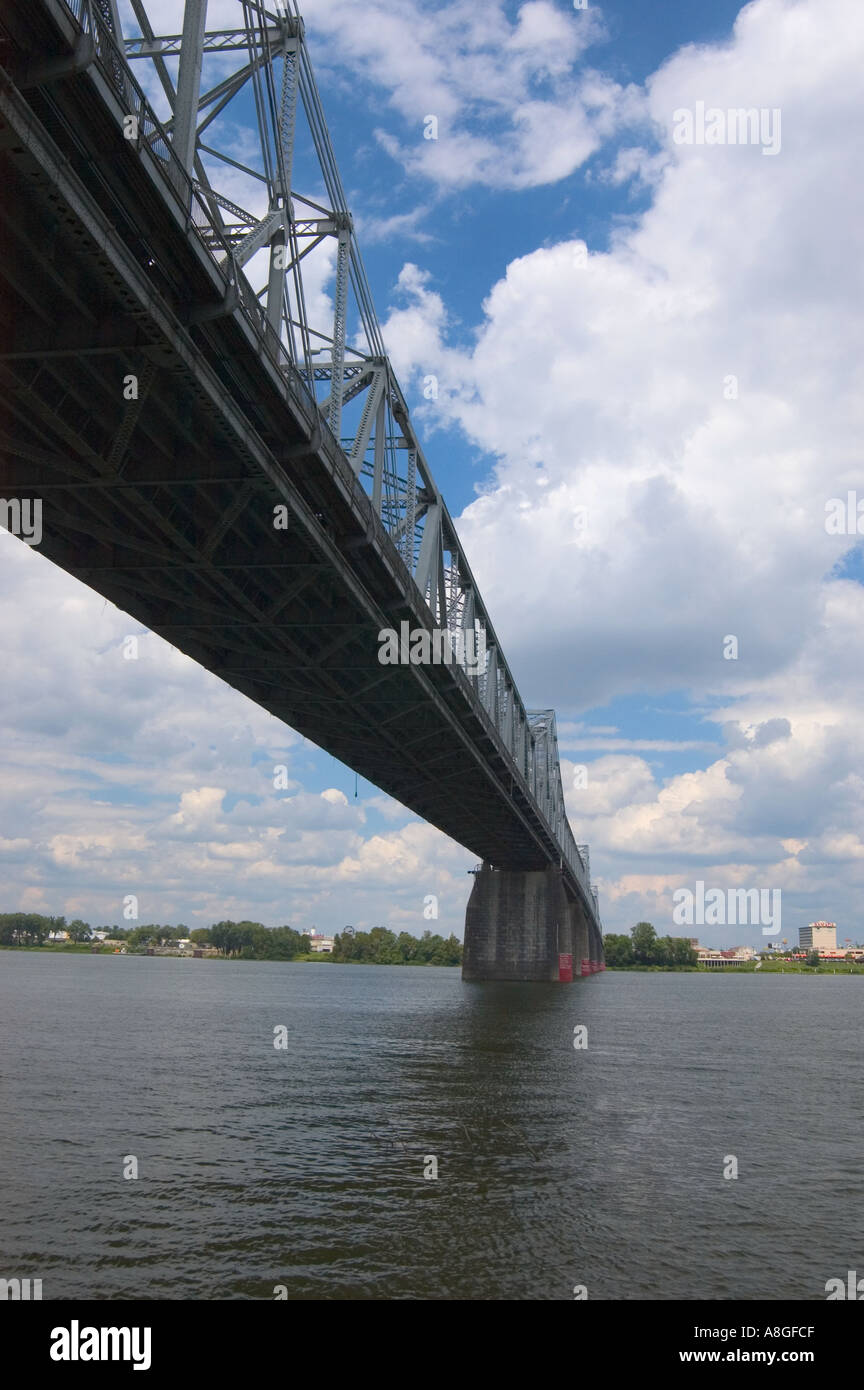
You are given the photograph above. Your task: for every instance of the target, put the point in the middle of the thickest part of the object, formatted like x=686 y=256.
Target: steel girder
x=353 y=394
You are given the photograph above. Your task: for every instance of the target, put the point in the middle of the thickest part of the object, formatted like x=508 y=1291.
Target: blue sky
x=602 y=383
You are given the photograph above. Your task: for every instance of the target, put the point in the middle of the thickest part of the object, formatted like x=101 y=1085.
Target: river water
x=309 y=1168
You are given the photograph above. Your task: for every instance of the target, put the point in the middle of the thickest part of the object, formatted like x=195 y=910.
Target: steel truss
x=342 y=363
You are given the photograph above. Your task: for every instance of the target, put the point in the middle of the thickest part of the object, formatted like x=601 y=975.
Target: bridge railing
x=383 y=451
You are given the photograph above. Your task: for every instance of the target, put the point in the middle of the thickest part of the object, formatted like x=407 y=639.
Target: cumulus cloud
x=668 y=417
x=148 y=776
x=513 y=105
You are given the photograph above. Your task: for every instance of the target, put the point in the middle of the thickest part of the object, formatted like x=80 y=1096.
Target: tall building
x=819 y=936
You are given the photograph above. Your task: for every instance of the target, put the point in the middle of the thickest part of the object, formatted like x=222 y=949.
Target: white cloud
x=199 y=808
x=150 y=777
x=513 y=107
x=696 y=389
x=704 y=513
x=603 y=384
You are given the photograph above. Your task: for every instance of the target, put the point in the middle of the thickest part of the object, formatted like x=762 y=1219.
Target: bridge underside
x=524 y=925
x=161 y=496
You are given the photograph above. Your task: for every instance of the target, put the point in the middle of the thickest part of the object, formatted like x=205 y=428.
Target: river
x=414 y=1137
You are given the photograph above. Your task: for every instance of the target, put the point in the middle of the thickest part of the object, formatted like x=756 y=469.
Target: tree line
x=254 y=941
x=244 y=940
x=31 y=928
x=644 y=947
x=380 y=946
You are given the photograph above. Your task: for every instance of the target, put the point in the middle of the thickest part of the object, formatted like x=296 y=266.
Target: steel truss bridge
x=170 y=379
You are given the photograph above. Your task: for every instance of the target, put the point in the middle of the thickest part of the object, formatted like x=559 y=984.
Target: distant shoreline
x=767 y=967
x=83 y=949
x=750 y=968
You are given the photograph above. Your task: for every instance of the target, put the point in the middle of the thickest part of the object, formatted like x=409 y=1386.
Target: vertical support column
x=521 y=925
x=340 y=316
x=189 y=83
x=490 y=697
x=426 y=575
x=287 y=128
x=519 y=742
x=288 y=115
x=509 y=726
x=410 y=510
x=276 y=280
x=468 y=615
x=380 y=454
x=547 y=807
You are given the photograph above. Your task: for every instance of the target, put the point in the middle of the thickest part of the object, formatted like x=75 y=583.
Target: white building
x=734 y=956
x=819 y=936
x=322 y=944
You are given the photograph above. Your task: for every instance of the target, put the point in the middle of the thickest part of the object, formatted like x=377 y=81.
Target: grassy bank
x=664 y=969
x=766 y=968
x=795 y=967
x=67 y=947
x=312 y=958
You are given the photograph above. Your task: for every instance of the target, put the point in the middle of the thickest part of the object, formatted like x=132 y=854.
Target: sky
x=648 y=362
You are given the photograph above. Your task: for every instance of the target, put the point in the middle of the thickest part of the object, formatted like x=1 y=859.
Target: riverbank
x=751 y=968
x=312 y=958
x=60 y=947
x=317 y=958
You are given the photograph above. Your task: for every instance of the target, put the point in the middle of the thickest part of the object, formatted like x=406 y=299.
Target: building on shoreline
x=819 y=936
x=715 y=958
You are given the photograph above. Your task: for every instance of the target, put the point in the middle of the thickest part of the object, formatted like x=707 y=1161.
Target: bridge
x=234 y=466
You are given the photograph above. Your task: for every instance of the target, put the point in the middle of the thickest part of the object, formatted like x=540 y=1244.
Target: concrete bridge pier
x=523 y=925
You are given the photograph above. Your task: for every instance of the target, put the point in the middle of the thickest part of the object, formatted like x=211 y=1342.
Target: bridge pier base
x=523 y=925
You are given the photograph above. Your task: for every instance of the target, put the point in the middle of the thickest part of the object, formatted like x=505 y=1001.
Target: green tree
x=344 y=945
x=664 y=951
x=382 y=946
x=684 y=953
x=407 y=947
x=618 y=949
x=454 y=950
x=24 y=928
x=644 y=943
x=78 y=930
x=224 y=937
x=143 y=936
